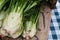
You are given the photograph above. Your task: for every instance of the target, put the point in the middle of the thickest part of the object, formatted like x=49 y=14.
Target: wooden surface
x=42 y=33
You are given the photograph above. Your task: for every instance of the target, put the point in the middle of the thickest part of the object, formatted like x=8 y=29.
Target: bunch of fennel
x=30 y=22
x=12 y=24
x=19 y=16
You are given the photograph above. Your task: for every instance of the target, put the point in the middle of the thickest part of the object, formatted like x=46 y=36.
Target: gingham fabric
x=54 y=32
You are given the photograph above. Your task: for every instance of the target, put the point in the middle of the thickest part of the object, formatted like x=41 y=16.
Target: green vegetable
x=19 y=16
x=31 y=23
x=13 y=22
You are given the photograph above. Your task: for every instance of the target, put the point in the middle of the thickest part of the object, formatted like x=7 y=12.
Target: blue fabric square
x=56 y=13
x=59 y=0
x=52 y=28
x=51 y=21
x=59 y=27
x=54 y=36
x=58 y=20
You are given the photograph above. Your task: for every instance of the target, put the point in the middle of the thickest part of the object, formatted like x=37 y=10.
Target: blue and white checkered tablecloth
x=54 y=32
